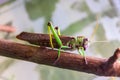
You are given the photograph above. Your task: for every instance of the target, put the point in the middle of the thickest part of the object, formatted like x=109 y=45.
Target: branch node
x=110 y=63
x=115 y=56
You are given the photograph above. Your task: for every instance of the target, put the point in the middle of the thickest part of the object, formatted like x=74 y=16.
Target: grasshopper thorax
x=81 y=42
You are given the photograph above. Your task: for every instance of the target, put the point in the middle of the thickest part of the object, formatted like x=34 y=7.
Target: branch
x=7 y=28
x=42 y=55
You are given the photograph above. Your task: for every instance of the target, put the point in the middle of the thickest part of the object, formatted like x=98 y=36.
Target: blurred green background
x=74 y=18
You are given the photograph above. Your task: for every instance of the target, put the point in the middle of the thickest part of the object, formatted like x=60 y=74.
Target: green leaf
x=5 y=65
x=7 y=2
x=104 y=48
x=79 y=25
x=40 y=8
x=52 y=73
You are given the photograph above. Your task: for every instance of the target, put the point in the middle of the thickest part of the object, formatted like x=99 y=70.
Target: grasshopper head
x=82 y=42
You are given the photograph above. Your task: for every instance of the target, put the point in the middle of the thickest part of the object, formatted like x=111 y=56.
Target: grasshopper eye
x=85 y=43
x=85 y=39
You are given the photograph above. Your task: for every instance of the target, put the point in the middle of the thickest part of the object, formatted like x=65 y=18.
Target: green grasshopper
x=80 y=43
x=55 y=40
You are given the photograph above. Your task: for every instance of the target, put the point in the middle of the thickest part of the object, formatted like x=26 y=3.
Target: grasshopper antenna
x=91 y=42
x=95 y=29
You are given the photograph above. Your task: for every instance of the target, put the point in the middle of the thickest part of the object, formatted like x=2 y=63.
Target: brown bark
x=42 y=55
x=42 y=39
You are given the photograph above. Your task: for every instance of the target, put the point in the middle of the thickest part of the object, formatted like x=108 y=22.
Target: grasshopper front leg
x=82 y=52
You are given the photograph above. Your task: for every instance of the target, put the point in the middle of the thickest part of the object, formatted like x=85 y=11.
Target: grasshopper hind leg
x=63 y=47
x=50 y=35
x=58 y=56
x=56 y=34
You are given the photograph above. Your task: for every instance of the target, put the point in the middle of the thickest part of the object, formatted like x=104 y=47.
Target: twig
x=7 y=28
x=42 y=55
x=39 y=39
